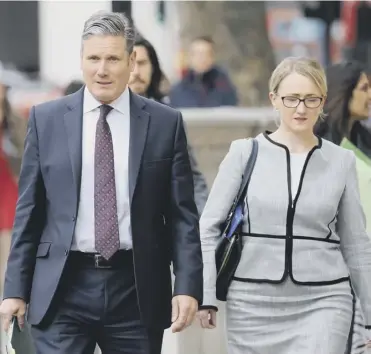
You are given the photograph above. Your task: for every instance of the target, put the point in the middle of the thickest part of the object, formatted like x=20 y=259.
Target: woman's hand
x=207 y=318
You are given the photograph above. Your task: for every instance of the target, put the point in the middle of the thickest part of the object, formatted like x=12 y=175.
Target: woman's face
x=361 y=98
x=299 y=102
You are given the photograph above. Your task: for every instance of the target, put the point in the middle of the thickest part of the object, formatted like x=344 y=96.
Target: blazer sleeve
x=354 y=242
x=187 y=256
x=29 y=220
x=222 y=194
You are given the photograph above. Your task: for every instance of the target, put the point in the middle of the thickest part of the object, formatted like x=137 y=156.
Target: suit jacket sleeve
x=354 y=241
x=187 y=256
x=29 y=220
x=200 y=187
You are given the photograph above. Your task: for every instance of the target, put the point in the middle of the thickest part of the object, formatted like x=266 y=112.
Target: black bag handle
x=248 y=171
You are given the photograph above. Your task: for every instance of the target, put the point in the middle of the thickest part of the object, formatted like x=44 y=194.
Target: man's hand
x=10 y=308
x=184 y=310
x=207 y=318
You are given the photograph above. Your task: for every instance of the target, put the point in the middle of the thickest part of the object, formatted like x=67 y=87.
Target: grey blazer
x=317 y=237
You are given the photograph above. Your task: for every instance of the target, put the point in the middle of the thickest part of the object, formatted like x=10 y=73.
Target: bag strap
x=245 y=181
x=248 y=171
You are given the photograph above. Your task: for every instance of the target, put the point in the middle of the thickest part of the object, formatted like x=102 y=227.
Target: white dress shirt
x=119 y=123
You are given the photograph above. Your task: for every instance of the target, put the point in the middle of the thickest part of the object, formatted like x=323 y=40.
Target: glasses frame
x=300 y=100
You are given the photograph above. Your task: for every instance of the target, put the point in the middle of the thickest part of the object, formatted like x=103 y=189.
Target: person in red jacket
x=12 y=134
x=8 y=187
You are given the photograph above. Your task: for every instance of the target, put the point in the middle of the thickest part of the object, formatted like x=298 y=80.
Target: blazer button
x=73 y=218
x=66 y=252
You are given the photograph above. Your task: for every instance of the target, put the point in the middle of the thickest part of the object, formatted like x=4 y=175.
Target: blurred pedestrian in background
x=347 y=105
x=12 y=135
x=205 y=84
x=146 y=80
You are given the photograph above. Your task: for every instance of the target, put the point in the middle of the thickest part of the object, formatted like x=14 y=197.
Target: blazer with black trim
x=316 y=237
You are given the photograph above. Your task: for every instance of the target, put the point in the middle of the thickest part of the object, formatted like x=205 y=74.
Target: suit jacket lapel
x=73 y=124
x=139 y=120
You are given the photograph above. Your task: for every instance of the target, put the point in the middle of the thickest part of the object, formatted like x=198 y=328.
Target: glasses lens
x=291 y=102
x=312 y=102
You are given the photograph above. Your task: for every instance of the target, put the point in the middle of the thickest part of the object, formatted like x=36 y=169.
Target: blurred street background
x=40 y=55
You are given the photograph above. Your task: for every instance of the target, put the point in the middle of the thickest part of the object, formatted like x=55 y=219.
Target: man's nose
x=102 y=70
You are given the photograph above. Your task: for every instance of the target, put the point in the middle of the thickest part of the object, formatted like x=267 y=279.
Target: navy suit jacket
x=164 y=216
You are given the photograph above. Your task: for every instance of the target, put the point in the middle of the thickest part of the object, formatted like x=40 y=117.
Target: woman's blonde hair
x=310 y=68
x=307 y=67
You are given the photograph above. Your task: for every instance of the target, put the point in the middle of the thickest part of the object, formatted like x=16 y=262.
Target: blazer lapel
x=73 y=125
x=139 y=120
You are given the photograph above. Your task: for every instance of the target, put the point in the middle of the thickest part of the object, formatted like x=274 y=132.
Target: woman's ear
x=272 y=97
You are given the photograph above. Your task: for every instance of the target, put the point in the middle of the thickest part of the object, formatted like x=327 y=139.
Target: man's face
x=140 y=77
x=106 y=66
x=201 y=56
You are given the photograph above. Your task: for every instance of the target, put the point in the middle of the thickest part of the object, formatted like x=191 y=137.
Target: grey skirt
x=287 y=318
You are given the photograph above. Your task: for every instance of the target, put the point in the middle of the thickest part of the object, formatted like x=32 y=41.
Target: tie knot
x=104 y=110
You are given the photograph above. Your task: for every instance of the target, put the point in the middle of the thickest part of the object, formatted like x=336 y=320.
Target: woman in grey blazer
x=304 y=231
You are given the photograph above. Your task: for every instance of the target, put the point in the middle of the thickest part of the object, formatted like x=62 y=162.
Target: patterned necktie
x=107 y=241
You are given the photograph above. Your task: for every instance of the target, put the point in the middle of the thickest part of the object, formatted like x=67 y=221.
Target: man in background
x=146 y=80
x=204 y=84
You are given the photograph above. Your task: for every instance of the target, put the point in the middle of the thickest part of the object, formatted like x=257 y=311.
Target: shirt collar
x=121 y=104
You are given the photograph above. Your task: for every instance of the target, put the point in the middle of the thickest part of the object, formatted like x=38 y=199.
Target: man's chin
x=104 y=97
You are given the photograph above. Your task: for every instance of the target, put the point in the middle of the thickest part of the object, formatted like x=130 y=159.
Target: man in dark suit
x=103 y=172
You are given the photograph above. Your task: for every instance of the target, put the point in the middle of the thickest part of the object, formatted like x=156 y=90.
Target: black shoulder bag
x=229 y=249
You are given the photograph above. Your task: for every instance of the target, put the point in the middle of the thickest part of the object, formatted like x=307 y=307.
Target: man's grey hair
x=107 y=23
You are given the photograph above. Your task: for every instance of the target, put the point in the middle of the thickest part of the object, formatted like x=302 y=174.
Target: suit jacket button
x=73 y=218
x=66 y=252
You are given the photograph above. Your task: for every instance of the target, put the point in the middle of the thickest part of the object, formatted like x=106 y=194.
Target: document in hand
x=19 y=341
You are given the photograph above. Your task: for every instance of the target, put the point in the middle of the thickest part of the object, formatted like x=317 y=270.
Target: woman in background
x=12 y=135
x=347 y=105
